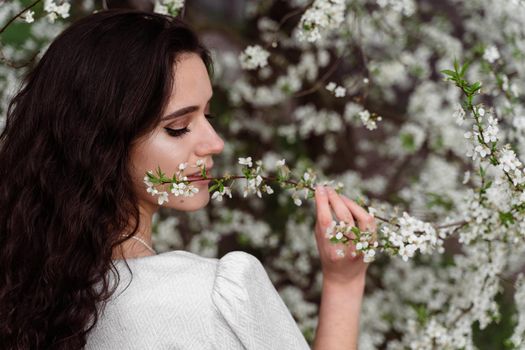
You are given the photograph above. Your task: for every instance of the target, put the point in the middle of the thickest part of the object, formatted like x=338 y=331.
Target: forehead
x=191 y=79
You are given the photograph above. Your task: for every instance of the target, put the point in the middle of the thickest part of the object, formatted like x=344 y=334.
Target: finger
x=341 y=210
x=324 y=215
x=365 y=221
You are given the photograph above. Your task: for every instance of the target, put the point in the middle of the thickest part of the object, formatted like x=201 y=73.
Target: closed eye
x=177 y=132
x=181 y=132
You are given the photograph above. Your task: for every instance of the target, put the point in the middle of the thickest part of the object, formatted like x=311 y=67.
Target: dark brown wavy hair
x=66 y=194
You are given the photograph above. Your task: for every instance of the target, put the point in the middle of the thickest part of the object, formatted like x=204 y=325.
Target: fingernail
x=321 y=189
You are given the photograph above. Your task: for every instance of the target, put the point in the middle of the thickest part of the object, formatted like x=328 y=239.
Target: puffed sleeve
x=251 y=307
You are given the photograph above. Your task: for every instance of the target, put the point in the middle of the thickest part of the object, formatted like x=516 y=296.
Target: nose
x=212 y=143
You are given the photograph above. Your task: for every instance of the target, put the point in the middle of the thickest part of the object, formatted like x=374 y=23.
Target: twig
x=14 y=65
x=270 y=178
x=318 y=83
x=284 y=19
x=2 y=56
x=18 y=15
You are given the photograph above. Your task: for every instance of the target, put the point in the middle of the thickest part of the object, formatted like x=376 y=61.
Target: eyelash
x=181 y=132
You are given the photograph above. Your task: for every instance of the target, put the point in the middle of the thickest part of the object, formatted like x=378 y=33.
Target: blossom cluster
x=369 y=121
x=406 y=7
x=322 y=16
x=179 y=184
x=482 y=138
x=338 y=91
x=171 y=7
x=54 y=11
x=363 y=241
x=254 y=56
x=412 y=235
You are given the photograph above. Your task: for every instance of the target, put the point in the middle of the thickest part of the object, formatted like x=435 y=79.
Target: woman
x=116 y=94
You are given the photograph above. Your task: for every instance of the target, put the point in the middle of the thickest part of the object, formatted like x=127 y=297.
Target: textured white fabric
x=179 y=300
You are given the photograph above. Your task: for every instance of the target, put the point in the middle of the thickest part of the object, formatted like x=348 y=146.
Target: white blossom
x=219 y=194
x=491 y=54
x=340 y=91
x=321 y=17
x=254 y=56
x=519 y=296
x=163 y=197
x=246 y=161
x=368 y=122
x=171 y=7
x=181 y=189
x=508 y=160
x=407 y=7
x=331 y=86
x=459 y=115
x=54 y=11
x=29 y=16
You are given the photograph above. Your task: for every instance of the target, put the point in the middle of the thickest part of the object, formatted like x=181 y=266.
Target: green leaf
x=506 y=218
x=422 y=314
x=464 y=69
x=407 y=141
x=481 y=171
x=334 y=240
x=243 y=239
x=449 y=72
x=456 y=66
x=307 y=26
x=475 y=87
x=213 y=187
x=437 y=199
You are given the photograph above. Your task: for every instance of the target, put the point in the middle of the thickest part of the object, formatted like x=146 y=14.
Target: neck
x=133 y=248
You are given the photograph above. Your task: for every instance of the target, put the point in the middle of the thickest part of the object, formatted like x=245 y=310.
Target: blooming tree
x=413 y=108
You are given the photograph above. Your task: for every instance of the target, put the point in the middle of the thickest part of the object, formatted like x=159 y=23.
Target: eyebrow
x=181 y=112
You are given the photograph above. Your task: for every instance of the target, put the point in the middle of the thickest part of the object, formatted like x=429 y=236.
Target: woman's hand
x=343 y=277
x=337 y=269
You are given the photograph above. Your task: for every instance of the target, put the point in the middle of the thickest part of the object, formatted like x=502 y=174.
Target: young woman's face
x=188 y=107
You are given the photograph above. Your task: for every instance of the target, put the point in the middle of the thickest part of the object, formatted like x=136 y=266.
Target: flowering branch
x=18 y=15
x=319 y=83
x=505 y=159
x=469 y=90
x=53 y=11
x=29 y=19
x=409 y=236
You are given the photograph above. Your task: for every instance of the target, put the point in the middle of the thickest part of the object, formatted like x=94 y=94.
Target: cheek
x=162 y=151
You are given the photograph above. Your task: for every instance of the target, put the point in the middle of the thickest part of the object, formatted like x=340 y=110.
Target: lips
x=197 y=175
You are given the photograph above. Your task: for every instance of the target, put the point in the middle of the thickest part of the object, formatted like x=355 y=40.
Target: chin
x=197 y=202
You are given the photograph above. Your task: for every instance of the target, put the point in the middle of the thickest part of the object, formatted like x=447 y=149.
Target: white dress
x=180 y=300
